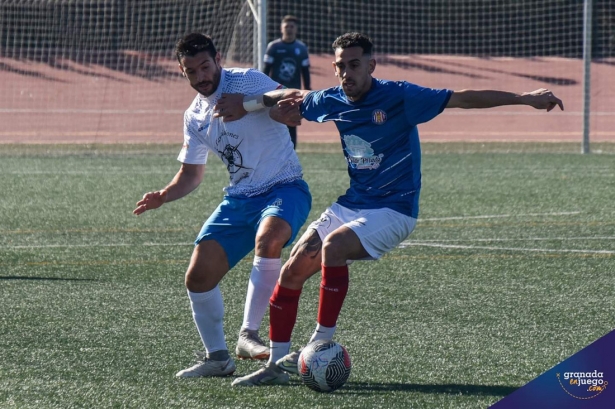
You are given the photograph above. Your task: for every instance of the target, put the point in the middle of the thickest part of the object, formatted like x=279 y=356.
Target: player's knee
x=297 y=270
x=198 y=281
x=288 y=275
x=270 y=245
x=193 y=281
x=334 y=248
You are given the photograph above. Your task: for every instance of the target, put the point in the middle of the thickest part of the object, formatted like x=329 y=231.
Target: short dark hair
x=194 y=43
x=354 y=40
x=289 y=18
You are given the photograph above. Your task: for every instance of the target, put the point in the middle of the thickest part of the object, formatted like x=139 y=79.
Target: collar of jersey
x=363 y=98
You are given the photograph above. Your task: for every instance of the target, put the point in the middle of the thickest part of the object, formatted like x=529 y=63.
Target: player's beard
x=351 y=89
x=207 y=88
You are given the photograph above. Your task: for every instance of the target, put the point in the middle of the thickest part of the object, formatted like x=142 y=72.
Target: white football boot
x=288 y=363
x=267 y=375
x=208 y=367
x=250 y=346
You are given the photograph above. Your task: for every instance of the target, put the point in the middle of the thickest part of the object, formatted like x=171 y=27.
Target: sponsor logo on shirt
x=379 y=117
x=224 y=138
x=360 y=154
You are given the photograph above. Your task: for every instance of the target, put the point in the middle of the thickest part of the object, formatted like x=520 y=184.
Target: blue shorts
x=235 y=221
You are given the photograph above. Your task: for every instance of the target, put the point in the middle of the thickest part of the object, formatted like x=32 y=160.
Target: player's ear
x=372 y=65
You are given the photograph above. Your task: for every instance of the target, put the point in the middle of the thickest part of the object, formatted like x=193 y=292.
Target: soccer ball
x=324 y=366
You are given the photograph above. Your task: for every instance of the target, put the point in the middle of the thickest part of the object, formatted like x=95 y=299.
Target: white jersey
x=256 y=150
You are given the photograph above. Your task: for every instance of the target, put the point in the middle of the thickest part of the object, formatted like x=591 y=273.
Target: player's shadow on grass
x=151 y=67
x=407 y=64
x=447 y=389
x=26 y=73
x=44 y=278
x=539 y=78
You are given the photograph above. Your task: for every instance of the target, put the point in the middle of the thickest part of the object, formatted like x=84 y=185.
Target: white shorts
x=379 y=230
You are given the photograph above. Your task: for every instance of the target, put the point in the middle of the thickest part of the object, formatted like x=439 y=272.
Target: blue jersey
x=380 y=140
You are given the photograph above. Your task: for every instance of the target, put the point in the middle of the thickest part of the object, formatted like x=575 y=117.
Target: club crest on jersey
x=379 y=117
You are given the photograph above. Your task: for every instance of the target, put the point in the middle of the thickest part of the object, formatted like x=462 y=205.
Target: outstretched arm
x=540 y=99
x=285 y=105
x=184 y=182
x=232 y=107
x=271 y=98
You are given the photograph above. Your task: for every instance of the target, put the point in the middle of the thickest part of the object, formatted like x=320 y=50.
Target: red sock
x=283 y=306
x=333 y=290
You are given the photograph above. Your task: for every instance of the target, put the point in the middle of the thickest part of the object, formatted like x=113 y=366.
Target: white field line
x=519 y=239
x=587 y=170
x=91 y=173
x=51 y=246
x=526 y=113
x=495 y=216
x=596 y=172
x=439 y=243
x=521 y=249
x=426 y=243
x=407 y=243
x=91 y=111
x=177 y=111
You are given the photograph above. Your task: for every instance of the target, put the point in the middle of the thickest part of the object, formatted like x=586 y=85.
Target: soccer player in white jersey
x=377 y=122
x=265 y=204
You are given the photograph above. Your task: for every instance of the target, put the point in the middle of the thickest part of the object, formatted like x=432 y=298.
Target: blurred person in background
x=287 y=61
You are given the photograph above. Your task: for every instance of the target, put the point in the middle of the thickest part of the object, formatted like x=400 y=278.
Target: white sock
x=278 y=350
x=323 y=333
x=208 y=313
x=264 y=276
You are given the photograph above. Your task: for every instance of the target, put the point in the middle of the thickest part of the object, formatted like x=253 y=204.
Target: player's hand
x=287 y=112
x=150 y=201
x=230 y=107
x=542 y=99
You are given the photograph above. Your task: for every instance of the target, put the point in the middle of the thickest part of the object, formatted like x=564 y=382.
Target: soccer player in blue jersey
x=377 y=121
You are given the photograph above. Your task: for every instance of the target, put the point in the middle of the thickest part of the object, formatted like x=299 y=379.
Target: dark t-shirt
x=287 y=60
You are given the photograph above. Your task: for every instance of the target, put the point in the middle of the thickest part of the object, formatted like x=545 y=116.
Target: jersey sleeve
x=269 y=58
x=305 y=62
x=423 y=104
x=193 y=152
x=313 y=107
